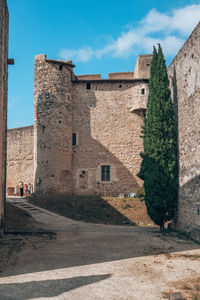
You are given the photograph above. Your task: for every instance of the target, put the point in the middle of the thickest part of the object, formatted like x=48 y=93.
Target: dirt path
x=91 y=261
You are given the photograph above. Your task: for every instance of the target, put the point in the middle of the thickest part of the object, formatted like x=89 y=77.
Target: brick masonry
x=184 y=75
x=3 y=102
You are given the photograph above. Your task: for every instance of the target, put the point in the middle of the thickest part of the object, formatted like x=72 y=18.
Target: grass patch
x=190 y=288
x=96 y=209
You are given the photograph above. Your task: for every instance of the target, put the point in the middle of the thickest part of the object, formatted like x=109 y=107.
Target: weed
x=167 y=254
x=197 y=287
x=187 y=287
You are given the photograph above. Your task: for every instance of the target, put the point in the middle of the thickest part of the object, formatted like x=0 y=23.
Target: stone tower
x=53 y=126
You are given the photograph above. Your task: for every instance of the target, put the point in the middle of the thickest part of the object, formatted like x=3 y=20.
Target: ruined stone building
x=3 y=101
x=86 y=133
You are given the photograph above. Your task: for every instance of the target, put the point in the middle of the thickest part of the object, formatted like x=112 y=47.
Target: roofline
x=60 y=62
x=198 y=25
x=19 y=128
x=111 y=80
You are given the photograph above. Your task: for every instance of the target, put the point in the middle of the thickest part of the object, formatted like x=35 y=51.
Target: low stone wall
x=19 y=156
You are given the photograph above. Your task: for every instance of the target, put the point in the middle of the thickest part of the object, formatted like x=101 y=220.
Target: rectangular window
x=88 y=86
x=105 y=173
x=74 y=139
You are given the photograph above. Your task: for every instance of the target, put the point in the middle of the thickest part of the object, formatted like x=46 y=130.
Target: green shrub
x=140 y=193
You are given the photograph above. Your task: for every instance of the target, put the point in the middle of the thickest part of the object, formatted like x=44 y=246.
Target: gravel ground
x=83 y=261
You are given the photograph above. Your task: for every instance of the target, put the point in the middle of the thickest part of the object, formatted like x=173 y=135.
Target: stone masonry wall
x=3 y=102
x=100 y=113
x=20 y=156
x=108 y=133
x=53 y=126
x=184 y=74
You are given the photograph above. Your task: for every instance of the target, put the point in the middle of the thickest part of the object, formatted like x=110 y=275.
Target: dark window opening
x=60 y=67
x=83 y=173
x=148 y=65
x=105 y=173
x=142 y=91
x=120 y=86
x=59 y=122
x=43 y=128
x=74 y=140
x=88 y=86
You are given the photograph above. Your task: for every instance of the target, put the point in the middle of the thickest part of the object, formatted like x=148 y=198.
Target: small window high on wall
x=74 y=139
x=105 y=173
x=88 y=86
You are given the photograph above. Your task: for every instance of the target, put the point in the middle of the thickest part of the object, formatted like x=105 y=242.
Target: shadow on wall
x=89 y=154
x=46 y=288
x=188 y=217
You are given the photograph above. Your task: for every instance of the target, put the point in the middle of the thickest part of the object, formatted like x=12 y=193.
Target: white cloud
x=84 y=54
x=182 y=20
x=169 y=29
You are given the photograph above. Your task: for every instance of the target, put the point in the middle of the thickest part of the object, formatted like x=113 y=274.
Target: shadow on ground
x=46 y=288
x=89 y=245
x=90 y=209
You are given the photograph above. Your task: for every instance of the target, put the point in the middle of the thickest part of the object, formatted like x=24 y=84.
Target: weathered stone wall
x=108 y=134
x=107 y=128
x=142 y=67
x=53 y=126
x=3 y=101
x=121 y=75
x=89 y=77
x=184 y=74
x=20 y=156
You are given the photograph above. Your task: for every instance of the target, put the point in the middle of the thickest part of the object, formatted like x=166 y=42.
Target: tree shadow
x=46 y=288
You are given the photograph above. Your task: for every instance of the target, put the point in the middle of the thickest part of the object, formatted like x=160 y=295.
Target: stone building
x=3 y=101
x=86 y=131
x=184 y=75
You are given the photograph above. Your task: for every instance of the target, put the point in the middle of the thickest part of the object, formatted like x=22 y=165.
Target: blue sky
x=98 y=36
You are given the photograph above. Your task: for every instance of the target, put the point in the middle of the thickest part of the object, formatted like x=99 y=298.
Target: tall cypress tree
x=159 y=168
